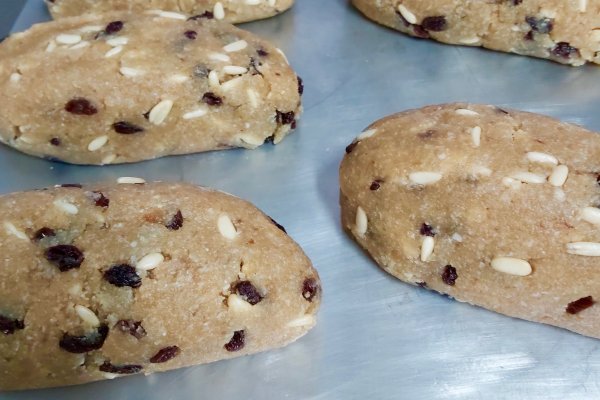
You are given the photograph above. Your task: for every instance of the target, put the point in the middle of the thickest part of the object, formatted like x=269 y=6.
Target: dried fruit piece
x=212 y=99
x=113 y=27
x=540 y=25
x=262 y=52
x=123 y=275
x=176 y=221
x=55 y=142
x=192 y=35
x=86 y=343
x=80 y=106
x=43 y=233
x=134 y=328
x=310 y=289
x=126 y=128
x=435 y=24
x=449 y=275
x=120 y=369
x=376 y=184
x=165 y=354
x=285 y=118
x=579 y=305
x=237 y=341
x=300 y=86
x=100 y=200
x=64 y=256
x=427 y=230
x=8 y=326
x=565 y=50
x=248 y=292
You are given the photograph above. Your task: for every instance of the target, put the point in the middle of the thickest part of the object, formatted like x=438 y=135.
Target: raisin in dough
x=122 y=88
x=233 y=11
x=492 y=207
x=103 y=281
x=564 y=31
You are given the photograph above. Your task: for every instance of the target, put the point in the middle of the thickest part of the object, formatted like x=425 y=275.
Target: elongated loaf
x=563 y=31
x=104 y=281
x=233 y=11
x=104 y=89
x=494 y=207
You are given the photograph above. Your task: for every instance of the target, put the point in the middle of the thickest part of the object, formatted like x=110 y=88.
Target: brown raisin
x=435 y=24
x=84 y=344
x=278 y=225
x=134 y=328
x=427 y=230
x=248 y=292
x=351 y=147
x=100 y=200
x=564 y=50
x=55 y=141
x=262 y=52
x=176 y=221
x=540 y=25
x=64 y=256
x=449 y=275
x=376 y=184
x=310 y=289
x=80 y=106
x=165 y=354
x=192 y=35
x=579 y=305
x=126 y=128
x=285 y=118
x=300 y=86
x=598 y=179
x=43 y=233
x=120 y=369
x=113 y=27
x=212 y=99
x=205 y=14
x=123 y=275
x=515 y=2
x=8 y=326
x=237 y=341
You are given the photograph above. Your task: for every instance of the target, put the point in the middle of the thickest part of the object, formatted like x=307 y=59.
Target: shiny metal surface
x=377 y=338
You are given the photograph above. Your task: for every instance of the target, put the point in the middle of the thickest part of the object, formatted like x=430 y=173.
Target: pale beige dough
x=564 y=31
x=123 y=88
x=507 y=199
x=189 y=248
x=233 y=11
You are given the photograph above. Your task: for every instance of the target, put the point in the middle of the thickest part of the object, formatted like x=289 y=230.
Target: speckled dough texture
x=123 y=88
x=104 y=281
x=497 y=208
x=565 y=31
x=233 y=11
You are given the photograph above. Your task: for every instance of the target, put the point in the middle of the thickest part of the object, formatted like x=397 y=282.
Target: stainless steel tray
x=377 y=338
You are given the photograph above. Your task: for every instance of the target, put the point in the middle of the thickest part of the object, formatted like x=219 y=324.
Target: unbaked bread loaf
x=104 y=281
x=564 y=31
x=494 y=207
x=233 y=11
x=107 y=89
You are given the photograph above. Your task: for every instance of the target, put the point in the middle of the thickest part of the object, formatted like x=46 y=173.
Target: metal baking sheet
x=377 y=338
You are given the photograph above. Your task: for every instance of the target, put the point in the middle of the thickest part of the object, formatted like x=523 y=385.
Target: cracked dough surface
x=234 y=11
x=86 y=92
x=564 y=31
x=188 y=299
x=488 y=184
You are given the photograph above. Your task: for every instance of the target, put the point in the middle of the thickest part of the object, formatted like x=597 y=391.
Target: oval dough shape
x=123 y=88
x=229 y=10
x=566 y=32
x=76 y=308
x=520 y=247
